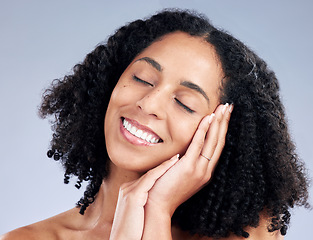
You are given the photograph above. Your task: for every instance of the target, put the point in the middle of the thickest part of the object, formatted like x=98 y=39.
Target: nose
x=153 y=103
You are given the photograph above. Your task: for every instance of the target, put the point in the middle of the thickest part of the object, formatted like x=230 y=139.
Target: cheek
x=183 y=132
x=120 y=94
x=117 y=100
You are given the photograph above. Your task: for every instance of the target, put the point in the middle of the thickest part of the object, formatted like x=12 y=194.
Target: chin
x=134 y=163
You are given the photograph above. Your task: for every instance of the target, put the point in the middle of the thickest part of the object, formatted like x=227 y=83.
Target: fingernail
x=175 y=158
x=231 y=107
x=224 y=108
x=211 y=117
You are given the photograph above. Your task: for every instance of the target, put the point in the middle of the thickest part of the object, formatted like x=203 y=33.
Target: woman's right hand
x=129 y=214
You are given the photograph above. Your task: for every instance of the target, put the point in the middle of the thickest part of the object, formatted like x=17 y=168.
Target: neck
x=101 y=212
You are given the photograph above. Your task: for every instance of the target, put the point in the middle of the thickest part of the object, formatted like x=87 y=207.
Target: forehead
x=182 y=50
x=185 y=44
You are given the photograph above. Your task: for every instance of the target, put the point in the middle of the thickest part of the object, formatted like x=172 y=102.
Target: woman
x=195 y=142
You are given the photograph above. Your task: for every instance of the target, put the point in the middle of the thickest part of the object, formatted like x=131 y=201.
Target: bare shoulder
x=49 y=229
x=20 y=233
x=30 y=232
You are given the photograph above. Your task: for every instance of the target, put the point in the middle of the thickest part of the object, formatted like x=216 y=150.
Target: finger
x=210 y=142
x=222 y=133
x=197 y=142
x=212 y=137
x=127 y=184
x=147 y=181
x=221 y=138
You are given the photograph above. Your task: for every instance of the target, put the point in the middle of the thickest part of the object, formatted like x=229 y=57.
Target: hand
x=195 y=168
x=129 y=214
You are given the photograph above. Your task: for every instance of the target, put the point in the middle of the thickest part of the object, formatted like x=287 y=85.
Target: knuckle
x=204 y=129
x=227 y=118
x=189 y=170
x=208 y=176
x=199 y=143
x=214 y=141
x=218 y=118
x=222 y=141
x=199 y=174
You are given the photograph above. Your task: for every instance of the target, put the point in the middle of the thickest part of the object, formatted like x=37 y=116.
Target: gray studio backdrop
x=42 y=40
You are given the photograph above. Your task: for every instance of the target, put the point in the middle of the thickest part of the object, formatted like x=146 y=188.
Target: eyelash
x=184 y=106
x=137 y=79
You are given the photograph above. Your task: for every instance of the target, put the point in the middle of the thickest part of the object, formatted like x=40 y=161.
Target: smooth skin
x=147 y=183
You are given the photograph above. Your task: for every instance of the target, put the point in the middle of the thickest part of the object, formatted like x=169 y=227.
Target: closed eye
x=137 y=79
x=184 y=106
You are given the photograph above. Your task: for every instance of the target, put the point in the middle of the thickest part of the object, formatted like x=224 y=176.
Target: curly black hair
x=258 y=170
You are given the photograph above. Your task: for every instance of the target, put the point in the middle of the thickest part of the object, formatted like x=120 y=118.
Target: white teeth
x=144 y=135
x=128 y=127
x=139 y=133
x=149 y=138
x=133 y=130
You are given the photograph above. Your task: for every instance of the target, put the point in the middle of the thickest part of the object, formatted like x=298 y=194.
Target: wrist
x=156 y=218
x=159 y=209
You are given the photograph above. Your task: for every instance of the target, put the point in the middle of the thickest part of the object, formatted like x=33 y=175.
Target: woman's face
x=159 y=101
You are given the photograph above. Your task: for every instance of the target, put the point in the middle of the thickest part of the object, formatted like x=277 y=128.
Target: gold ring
x=205 y=157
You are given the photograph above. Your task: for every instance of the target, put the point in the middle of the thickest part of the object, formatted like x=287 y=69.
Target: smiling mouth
x=140 y=133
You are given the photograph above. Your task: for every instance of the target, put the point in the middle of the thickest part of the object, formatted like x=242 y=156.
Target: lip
x=133 y=139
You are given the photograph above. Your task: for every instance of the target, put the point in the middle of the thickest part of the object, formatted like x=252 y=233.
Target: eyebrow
x=196 y=88
x=152 y=62
x=187 y=84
